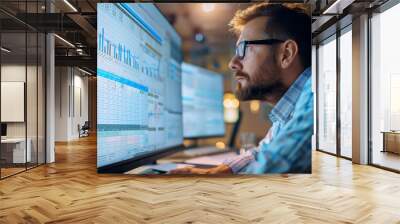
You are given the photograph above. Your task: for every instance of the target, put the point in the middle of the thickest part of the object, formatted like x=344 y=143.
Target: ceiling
x=76 y=23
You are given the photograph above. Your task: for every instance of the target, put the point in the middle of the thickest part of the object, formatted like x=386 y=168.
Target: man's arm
x=291 y=145
x=229 y=166
x=221 y=169
x=238 y=163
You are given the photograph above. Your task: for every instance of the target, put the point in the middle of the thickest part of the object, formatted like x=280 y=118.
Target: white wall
x=61 y=103
x=12 y=73
x=80 y=110
x=71 y=94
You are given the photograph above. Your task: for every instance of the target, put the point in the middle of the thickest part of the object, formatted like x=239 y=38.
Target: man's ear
x=289 y=51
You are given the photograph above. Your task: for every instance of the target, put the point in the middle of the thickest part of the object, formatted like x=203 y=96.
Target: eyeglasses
x=241 y=47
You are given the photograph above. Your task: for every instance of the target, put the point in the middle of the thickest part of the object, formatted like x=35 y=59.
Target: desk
x=13 y=150
x=205 y=161
x=391 y=141
x=155 y=169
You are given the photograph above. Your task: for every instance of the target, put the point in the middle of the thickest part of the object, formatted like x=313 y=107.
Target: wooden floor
x=10 y=171
x=387 y=159
x=70 y=191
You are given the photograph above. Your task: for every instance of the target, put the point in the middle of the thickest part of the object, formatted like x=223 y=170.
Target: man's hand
x=221 y=169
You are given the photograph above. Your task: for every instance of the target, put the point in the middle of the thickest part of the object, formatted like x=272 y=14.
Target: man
x=272 y=63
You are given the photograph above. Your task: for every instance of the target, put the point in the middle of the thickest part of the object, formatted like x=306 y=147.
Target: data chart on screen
x=139 y=100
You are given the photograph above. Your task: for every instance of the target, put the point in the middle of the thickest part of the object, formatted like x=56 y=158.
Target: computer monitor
x=139 y=98
x=203 y=112
x=3 y=130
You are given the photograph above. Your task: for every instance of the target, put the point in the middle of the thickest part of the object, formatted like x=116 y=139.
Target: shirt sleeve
x=290 y=150
x=238 y=163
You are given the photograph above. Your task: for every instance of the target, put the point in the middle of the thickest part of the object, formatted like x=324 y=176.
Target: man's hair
x=290 y=21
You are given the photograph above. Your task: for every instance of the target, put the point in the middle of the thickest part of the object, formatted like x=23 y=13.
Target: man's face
x=257 y=74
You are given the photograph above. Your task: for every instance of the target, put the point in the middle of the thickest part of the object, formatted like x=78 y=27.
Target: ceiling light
x=208 y=7
x=70 y=5
x=5 y=50
x=65 y=41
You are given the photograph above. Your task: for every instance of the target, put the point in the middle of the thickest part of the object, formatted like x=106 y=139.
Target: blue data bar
x=122 y=80
x=141 y=22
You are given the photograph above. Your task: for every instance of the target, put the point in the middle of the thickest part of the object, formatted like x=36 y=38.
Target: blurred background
x=27 y=55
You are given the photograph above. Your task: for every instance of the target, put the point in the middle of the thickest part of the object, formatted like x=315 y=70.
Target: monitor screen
x=203 y=112
x=139 y=100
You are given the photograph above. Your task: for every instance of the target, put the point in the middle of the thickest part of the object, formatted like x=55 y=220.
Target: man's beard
x=258 y=89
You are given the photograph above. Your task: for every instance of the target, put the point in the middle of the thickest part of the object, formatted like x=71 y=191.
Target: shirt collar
x=285 y=106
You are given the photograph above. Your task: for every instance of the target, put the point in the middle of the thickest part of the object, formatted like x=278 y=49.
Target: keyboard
x=213 y=160
x=201 y=151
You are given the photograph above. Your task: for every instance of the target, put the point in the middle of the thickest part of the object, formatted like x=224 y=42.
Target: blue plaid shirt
x=287 y=146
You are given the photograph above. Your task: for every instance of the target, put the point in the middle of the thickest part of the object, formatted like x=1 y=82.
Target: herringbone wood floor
x=70 y=191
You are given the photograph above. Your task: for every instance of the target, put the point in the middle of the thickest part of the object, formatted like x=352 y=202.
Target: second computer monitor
x=203 y=112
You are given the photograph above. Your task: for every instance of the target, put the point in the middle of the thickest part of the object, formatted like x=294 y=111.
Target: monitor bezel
x=205 y=136
x=145 y=159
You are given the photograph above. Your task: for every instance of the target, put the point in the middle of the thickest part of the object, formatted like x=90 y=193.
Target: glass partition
x=13 y=105
x=385 y=89
x=346 y=72
x=22 y=77
x=327 y=95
